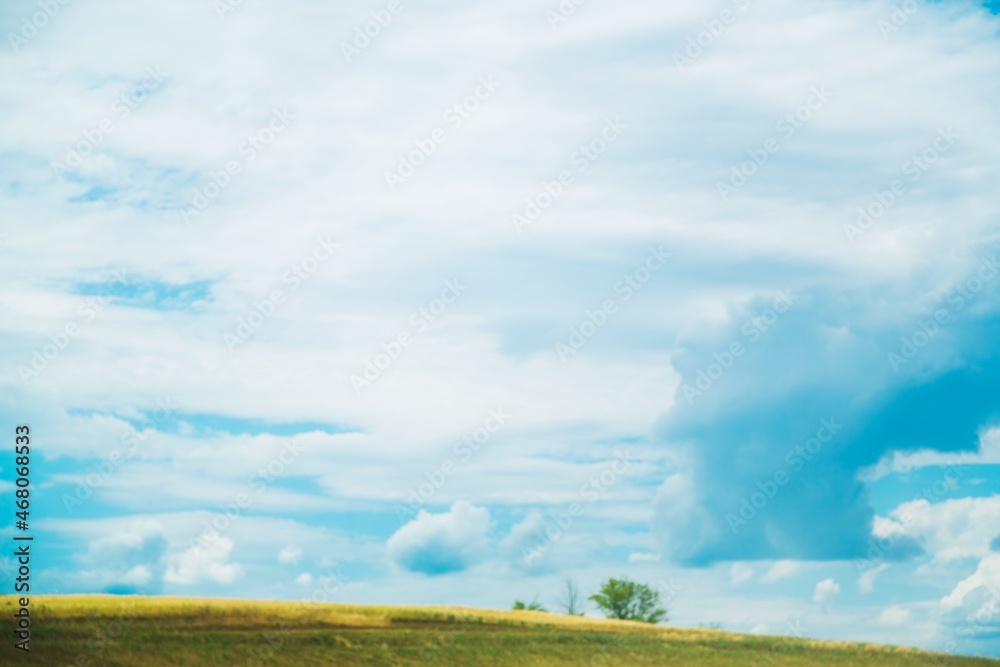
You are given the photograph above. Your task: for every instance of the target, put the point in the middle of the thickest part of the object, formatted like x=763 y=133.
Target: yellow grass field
x=113 y=631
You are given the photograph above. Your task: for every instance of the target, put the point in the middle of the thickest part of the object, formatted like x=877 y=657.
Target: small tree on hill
x=534 y=605
x=570 y=599
x=629 y=601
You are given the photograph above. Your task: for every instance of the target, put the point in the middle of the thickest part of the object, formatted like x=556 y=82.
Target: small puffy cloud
x=826 y=590
x=866 y=582
x=208 y=562
x=740 y=573
x=290 y=555
x=442 y=543
x=643 y=558
x=894 y=616
x=782 y=570
x=304 y=579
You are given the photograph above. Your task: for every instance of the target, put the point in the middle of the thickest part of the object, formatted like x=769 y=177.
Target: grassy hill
x=107 y=631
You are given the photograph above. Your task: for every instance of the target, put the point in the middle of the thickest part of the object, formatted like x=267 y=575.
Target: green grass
x=109 y=631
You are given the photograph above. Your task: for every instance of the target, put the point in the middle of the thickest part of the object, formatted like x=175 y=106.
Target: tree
x=534 y=605
x=629 y=601
x=570 y=599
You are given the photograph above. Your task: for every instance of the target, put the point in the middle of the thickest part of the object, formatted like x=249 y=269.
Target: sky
x=445 y=302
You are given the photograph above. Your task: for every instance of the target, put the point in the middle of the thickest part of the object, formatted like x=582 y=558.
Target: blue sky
x=700 y=294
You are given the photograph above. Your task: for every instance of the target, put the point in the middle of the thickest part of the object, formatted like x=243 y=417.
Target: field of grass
x=108 y=631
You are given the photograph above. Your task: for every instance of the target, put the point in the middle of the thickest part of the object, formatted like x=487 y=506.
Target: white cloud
x=905 y=462
x=128 y=558
x=304 y=579
x=951 y=530
x=826 y=591
x=442 y=543
x=866 y=582
x=986 y=579
x=208 y=562
x=525 y=292
x=740 y=573
x=894 y=616
x=140 y=575
x=260 y=538
x=526 y=546
x=782 y=570
x=972 y=608
x=685 y=522
x=142 y=541
x=290 y=554
x=639 y=557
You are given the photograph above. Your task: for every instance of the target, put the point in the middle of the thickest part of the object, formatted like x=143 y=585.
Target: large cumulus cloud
x=767 y=456
x=442 y=543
